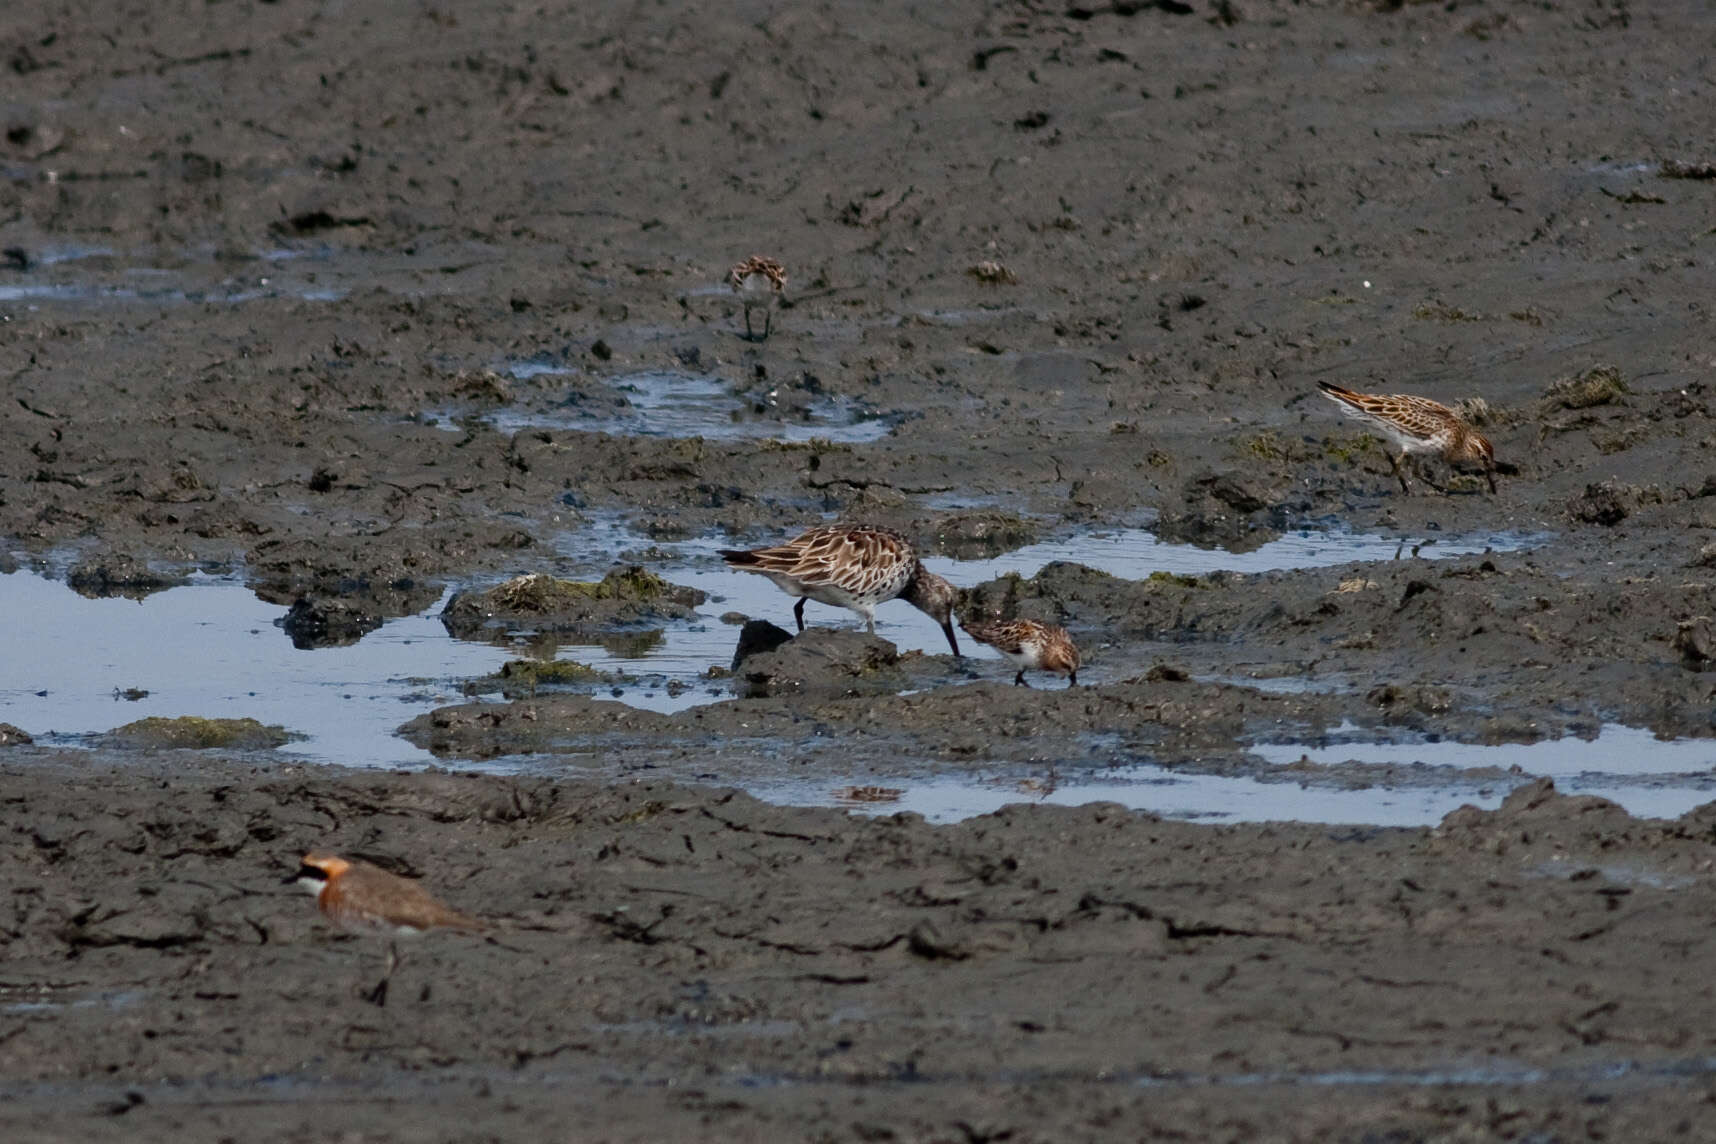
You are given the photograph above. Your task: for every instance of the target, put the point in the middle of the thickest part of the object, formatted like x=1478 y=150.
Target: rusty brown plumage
x=1028 y=645
x=359 y=895
x=759 y=282
x=1417 y=425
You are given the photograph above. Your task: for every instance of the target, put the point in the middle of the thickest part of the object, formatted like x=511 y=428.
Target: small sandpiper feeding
x=852 y=566
x=1417 y=425
x=758 y=282
x=356 y=895
x=1028 y=646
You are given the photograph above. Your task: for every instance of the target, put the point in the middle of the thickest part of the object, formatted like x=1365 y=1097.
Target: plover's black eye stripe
x=316 y=872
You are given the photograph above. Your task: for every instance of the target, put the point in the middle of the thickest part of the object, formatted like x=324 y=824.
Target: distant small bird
x=1417 y=425
x=1028 y=645
x=852 y=566
x=356 y=895
x=758 y=282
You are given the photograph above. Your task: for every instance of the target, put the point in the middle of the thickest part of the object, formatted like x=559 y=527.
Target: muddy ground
x=266 y=263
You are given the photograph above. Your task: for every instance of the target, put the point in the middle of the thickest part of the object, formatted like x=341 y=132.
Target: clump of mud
x=1600 y=385
x=118 y=574
x=1610 y=502
x=544 y=603
x=981 y=533
x=330 y=621
x=826 y=663
x=193 y=732
x=522 y=678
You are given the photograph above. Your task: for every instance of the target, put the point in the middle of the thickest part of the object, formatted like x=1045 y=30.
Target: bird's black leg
x=1019 y=680
x=749 y=336
x=768 y=321
x=378 y=995
x=798 y=613
x=1490 y=474
x=1072 y=679
x=1399 y=466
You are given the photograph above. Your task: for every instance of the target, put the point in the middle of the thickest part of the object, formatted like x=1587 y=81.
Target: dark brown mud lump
x=314 y=622
x=1610 y=502
x=1601 y=385
x=11 y=736
x=624 y=596
x=977 y=534
x=118 y=574
x=553 y=723
x=824 y=662
x=758 y=637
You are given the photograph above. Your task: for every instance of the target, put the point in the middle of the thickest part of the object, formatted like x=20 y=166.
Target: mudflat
x=357 y=303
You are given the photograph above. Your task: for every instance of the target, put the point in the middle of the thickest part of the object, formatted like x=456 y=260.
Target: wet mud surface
x=691 y=962
x=365 y=306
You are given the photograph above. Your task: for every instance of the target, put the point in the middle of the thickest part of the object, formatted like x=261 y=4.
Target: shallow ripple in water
x=213 y=649
x=1651 y=777
x=669 y=403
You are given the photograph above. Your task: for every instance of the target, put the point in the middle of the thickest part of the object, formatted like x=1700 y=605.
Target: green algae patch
x=625 y=597
x=555 y=671
x=1349 y=450
x=1265 y=446
x=1174 y=578
x=193 y=732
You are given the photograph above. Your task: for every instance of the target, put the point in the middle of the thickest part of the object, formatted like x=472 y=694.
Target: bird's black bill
x=947 y=626
x=315 y=873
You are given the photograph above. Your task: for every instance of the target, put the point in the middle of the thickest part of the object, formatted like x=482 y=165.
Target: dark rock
x=758 y=637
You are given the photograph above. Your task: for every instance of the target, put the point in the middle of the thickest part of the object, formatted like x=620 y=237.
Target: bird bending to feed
x=1417 y=425
x=758 y=282
x=1029 y=646
x=852 y=567
x=356 y=895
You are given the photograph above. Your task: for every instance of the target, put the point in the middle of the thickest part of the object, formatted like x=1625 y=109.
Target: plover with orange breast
x=1417 y=425
x=356 y=895
x=1029 y=646
x=852 y=566
x=758 y=282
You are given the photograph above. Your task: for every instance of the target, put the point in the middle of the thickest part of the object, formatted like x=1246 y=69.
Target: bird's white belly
x=1407 y=442
x=829 y=594
x=756 y=291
